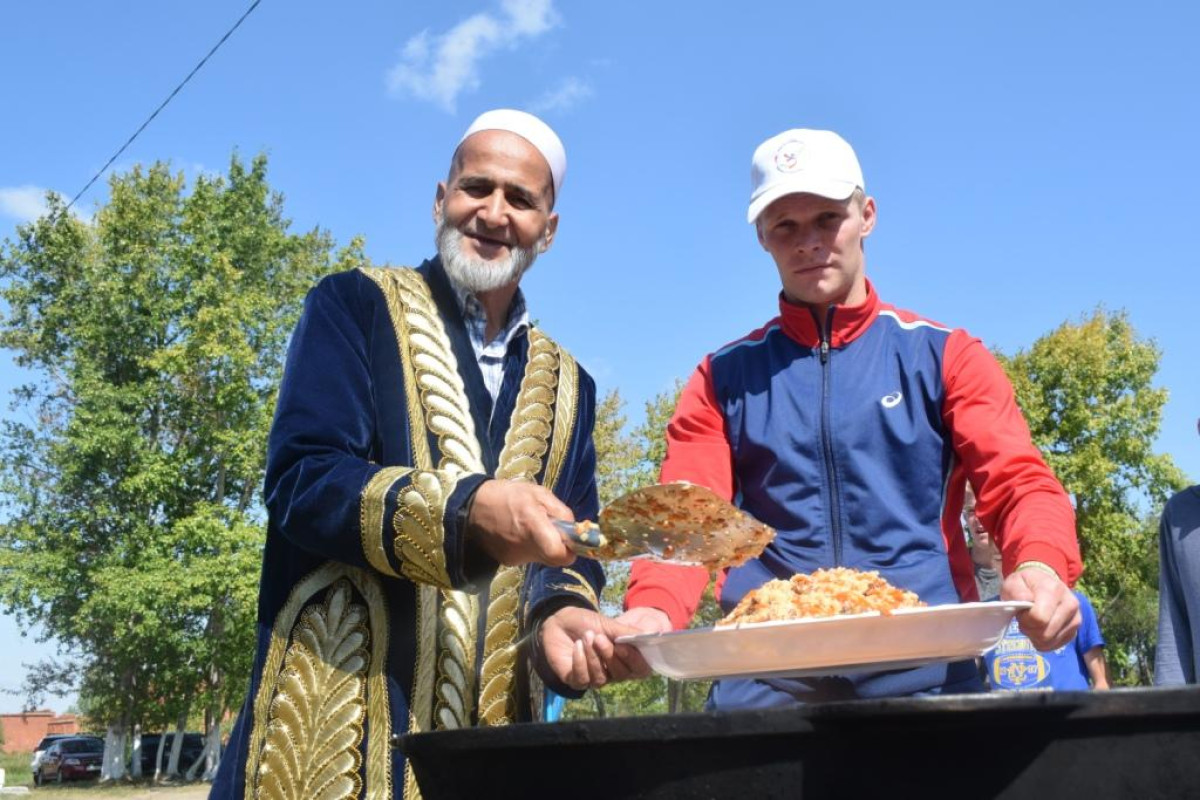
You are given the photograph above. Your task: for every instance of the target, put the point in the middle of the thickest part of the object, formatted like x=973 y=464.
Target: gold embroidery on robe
x=566 y=405
x=581 y=588
x=371 y=517
x=444 y=412
x=431 y=369
x=426 y=618
x=420 y=715
x=448 y=416
x=318 y=682
x=534 y=421
x=420 y=531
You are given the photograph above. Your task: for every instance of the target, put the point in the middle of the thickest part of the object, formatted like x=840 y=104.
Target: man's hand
x=579 y=648
x=1054 y=618
x=511 y=522
x=646 y=620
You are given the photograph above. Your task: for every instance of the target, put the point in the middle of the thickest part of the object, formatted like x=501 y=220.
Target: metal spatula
x=677 y=522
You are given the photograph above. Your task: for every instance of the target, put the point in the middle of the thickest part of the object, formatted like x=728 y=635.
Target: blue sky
x=1030 y=161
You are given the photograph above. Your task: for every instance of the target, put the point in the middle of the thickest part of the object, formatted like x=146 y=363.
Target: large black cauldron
x=1131 y=744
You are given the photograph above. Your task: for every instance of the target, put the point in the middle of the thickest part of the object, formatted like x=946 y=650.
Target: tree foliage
x=156 y=336
x=627 y=459
x=1086 y=391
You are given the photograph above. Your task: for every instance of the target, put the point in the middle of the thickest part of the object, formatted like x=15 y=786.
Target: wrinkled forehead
x=494 y=152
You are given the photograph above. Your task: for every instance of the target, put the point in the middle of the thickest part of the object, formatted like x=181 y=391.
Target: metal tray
x=838 y=645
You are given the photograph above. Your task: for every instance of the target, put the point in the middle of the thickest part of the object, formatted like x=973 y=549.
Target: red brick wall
x=23 y=731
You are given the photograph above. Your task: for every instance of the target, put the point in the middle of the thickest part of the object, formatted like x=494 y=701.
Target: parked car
x=69 y=759
x=193 y=746
x=42 y=745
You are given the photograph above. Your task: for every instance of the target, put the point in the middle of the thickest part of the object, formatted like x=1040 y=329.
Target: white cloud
x=531 y=17
x=567 y=95
x=23 y=203
x=28 y=203
x=439 y=68
x=198 y=170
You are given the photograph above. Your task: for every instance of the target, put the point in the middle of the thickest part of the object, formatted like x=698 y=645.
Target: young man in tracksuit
x=851 y=427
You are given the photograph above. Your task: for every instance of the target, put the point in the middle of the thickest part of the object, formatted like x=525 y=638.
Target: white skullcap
x=532 y=130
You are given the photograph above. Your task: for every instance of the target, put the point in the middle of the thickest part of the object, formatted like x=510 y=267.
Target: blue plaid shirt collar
x=490 y=355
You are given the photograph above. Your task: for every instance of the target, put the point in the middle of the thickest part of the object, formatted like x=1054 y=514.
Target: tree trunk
x=598 y=699
x=674 y=696
x=210 y=757
x=177 y=743
x=158 y=756
x=112 y=768
x=121 y=770
x=247 y=496
x=215 y=711
x=135 y=759
x=212 y=750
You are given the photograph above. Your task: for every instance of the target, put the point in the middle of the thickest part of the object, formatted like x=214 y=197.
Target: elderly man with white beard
x=425 y=439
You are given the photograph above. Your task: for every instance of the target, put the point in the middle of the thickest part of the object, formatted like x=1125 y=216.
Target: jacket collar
x=849 y=322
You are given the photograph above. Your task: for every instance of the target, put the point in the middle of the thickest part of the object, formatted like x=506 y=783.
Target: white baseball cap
x=802 y=161
x=532 y=130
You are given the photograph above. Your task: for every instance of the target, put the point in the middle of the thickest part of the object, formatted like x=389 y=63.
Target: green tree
x=627 y=459
x=156 y=335
x=617 y=454
x=1086 y=391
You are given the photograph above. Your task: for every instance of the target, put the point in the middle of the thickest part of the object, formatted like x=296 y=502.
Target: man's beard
x=476 y=274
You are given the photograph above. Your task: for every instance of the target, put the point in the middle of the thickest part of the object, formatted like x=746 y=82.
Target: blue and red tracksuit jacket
x=854 y=443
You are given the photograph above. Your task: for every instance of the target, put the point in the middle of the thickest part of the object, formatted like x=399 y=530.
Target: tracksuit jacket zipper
x=835 y=500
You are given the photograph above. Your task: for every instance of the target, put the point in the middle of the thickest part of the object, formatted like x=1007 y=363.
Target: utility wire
x=163 y=105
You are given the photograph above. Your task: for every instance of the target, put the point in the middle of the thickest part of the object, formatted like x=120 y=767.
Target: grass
x=17 y=773
x=120 y=791
x=16 y=769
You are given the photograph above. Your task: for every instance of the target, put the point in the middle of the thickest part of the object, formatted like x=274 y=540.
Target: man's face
x=817 y=246
x=983 y=548
x=495 y=206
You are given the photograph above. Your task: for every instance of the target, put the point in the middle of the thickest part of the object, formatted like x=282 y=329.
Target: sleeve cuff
x=1044 y=554
x=473 y=568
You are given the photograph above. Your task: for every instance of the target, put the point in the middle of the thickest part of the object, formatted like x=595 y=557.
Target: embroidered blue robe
x=375 y=615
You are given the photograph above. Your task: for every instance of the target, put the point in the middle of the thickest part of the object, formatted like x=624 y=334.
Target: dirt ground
x=195 y=791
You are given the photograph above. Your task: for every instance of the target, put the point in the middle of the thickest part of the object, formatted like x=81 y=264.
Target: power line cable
x=163 y=105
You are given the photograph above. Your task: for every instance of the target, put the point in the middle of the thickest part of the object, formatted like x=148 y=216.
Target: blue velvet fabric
x=342 y=416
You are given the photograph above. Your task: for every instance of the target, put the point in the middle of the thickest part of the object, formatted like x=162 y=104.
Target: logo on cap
x=787 y=157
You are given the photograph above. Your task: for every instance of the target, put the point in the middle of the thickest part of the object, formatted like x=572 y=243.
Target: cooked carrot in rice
x=825 y=593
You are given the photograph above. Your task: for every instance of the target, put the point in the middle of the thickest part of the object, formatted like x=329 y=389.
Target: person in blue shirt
x=1079 y=665
x=1014 y=664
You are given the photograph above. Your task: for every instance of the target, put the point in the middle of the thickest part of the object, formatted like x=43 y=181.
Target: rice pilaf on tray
x=824 y=593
